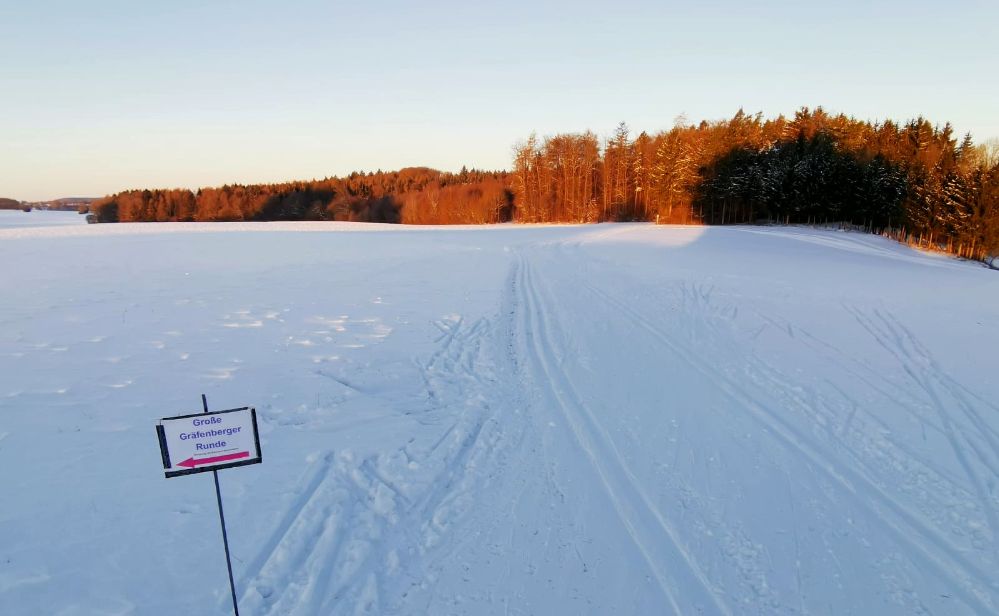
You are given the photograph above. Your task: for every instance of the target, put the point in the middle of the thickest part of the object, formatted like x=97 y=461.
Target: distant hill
x=73 y=201
x=65 y=203
x=68 y=204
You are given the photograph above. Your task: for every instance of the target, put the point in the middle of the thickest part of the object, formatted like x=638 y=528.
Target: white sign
x=209 y=441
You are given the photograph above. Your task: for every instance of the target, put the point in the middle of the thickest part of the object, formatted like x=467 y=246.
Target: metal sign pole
x=225 y=537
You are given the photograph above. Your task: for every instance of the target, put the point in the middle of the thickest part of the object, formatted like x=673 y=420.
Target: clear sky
x=103 y=95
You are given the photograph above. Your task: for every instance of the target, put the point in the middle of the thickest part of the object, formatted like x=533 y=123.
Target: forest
x=914 y=181
x=414 y=196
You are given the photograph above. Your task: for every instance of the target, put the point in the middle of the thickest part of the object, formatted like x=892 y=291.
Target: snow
x=518 y=419
x=16 y=219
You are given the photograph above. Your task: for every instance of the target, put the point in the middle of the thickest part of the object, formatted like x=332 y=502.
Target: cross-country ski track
x=609 y=419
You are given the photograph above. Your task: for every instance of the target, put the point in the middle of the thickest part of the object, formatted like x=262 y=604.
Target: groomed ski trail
x=684 y=587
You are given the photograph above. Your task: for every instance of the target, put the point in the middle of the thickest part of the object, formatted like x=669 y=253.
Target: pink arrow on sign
x=191 y=462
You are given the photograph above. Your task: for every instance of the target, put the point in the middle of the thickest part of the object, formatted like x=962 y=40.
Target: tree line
x=914 y=181
x=415 y=195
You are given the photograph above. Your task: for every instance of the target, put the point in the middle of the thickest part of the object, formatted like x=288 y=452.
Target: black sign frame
x=165 y=452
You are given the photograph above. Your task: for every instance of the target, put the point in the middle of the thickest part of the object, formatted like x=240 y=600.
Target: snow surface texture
x=611 y=419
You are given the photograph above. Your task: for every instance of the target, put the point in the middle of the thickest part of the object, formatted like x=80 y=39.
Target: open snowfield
x=610 y=419
x=14 y=219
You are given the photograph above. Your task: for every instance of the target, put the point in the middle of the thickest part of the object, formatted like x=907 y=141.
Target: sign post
x=210 y=441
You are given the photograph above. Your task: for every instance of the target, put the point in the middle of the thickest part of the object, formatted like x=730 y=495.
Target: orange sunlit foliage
x=414 y=195
x=914 y=181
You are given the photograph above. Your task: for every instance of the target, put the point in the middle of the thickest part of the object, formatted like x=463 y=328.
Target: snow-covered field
x=12 y=219
x=611 y=419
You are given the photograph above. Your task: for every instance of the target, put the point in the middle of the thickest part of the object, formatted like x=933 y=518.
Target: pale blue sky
x=100 y=96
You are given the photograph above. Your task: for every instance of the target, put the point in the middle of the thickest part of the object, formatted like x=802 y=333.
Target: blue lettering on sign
x=215 y=445
x=184 y=436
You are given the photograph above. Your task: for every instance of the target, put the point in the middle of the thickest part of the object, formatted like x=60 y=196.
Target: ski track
x=927 y=375
x=855 y=486
x=919 y=409
x=348 y=525
x=924 y=371
x=644 y=523
x=473 y=468
x=900 y=453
